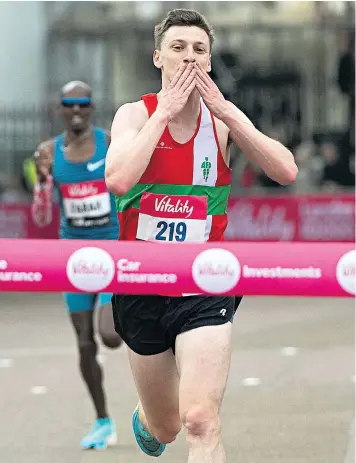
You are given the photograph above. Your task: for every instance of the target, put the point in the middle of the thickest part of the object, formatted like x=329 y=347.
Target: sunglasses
x=84 y=102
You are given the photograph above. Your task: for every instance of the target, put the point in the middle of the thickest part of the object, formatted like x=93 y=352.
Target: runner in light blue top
x=73 y=164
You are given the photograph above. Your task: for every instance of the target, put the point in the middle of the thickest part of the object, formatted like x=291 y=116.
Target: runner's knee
x=201 y=420
x=87 y=347
x=112 y=341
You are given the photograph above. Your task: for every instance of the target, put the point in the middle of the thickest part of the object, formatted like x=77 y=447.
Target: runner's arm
x=133 y=140
x=270 y=155
x=42 y=203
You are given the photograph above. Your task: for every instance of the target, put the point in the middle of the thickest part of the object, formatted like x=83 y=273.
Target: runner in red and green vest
x=168 y=165
x=188 y=183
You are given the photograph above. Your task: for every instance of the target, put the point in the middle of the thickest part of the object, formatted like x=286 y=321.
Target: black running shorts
x=150 y=324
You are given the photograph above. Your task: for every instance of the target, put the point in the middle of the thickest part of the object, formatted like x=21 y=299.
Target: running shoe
x=147 y=443
x=101 y=435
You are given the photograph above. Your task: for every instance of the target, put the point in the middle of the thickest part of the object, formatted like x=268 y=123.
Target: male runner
x=74 y=163
x=168 y=145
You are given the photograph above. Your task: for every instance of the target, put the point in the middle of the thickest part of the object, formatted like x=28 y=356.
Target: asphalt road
x=293 y=405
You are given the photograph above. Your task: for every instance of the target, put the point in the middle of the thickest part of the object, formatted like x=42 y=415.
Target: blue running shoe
x=147 y=443
x=101 y=435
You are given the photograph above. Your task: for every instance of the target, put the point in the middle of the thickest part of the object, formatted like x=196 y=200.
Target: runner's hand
x=43 y=160
x=210 y=93
x=173 y=98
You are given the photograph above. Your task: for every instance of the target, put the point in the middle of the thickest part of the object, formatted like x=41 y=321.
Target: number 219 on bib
x=171 y=231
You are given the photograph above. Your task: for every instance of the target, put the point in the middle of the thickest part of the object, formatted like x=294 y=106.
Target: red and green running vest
x=183 y=194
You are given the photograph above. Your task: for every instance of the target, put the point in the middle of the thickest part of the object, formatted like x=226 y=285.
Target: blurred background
x=290 y=66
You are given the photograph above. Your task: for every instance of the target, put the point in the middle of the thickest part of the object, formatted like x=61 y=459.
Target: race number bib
x=171 y=218
x=86 y=204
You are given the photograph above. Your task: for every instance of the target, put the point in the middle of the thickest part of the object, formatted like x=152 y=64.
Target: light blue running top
x=87 y=209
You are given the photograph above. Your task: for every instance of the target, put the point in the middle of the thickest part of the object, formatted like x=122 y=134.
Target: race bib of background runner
x=86 y=204
x=171 y=218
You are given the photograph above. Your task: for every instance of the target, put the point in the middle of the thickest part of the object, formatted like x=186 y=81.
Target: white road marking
x=6 y=363
x=251 y=381
x=289 y=351
x=39 y=390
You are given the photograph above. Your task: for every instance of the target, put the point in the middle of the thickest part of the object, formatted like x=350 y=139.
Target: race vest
x=182 y=196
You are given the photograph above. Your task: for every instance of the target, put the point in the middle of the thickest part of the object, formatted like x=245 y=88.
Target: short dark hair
x=182 y=17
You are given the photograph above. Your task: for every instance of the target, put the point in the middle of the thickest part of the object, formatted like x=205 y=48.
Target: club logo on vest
x=90 y=269
x=161 y=145
x=216 y=271
x=206 y=166
x=346 y=272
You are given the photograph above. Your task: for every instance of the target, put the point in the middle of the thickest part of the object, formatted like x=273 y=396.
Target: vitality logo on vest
x=166 y=205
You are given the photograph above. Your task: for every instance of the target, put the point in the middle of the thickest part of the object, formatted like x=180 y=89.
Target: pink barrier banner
x=269 y=218
x=16 y=222
x=259 y=269
x=330 y=218
x=262 y=219
x=292 y=218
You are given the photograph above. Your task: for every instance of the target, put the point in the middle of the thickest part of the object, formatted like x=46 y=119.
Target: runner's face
x=76 y=110
x=182 y=44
